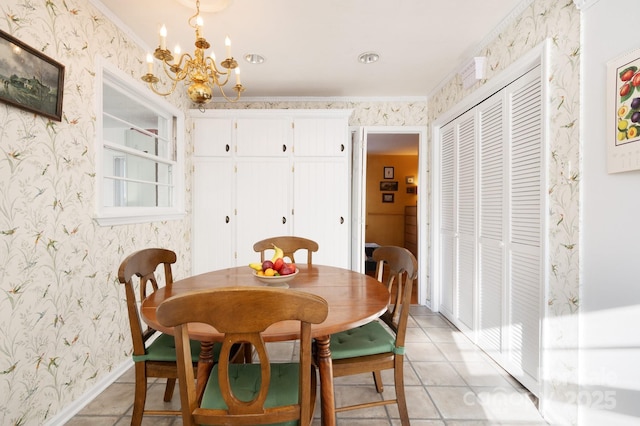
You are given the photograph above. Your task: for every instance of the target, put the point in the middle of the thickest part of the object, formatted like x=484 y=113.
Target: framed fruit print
x=623 y=113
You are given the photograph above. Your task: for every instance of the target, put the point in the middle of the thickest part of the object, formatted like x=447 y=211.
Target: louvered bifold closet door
x=525 y=234
x=466 y=230
x=492 y=207
x=447 y=218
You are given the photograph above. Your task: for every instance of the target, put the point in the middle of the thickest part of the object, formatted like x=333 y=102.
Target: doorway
x=389 y=196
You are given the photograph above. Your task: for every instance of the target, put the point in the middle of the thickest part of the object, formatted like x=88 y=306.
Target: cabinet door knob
x=226 y=147
x=341 y=147
x=284 y=148
x=341 y=220
x=284 y=220
x=226 y=219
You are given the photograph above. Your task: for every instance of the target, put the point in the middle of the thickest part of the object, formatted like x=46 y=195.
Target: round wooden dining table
x=354 y=299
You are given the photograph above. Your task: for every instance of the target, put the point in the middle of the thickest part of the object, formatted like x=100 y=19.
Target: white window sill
x=137 y=218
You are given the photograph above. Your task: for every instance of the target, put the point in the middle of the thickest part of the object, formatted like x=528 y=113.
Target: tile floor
x=448 y=381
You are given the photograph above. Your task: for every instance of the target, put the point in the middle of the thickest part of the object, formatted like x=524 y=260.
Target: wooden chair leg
x=140 y=396
x=377 y=379
x=400 y=395
x=168 y=391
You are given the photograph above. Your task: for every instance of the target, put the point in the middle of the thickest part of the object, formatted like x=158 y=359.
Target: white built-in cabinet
x=263 y=173
x=491 y=214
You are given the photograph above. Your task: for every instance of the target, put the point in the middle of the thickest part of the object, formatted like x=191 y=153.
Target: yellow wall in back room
x=385 y=221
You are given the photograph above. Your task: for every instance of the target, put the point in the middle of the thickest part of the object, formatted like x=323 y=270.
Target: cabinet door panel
x=320 y=137
x=262 y=199
x=212 y=215
x=263 y=137
x=321 y=209
x=212 y=137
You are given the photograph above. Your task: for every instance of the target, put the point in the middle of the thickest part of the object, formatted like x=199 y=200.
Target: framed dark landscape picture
x=389 y=185
x=29 y=79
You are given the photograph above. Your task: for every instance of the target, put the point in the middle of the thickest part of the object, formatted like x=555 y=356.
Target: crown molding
x=274 y=99
x=584 y=4
x=121 y=25
x=490 y=37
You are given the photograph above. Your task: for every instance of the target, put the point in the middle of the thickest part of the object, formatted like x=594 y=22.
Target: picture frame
x=410 y=180
x=386 y=185
x=412 y=189
x=387 y=198
x=623 y=113
x=388 y=172
x=29 y=79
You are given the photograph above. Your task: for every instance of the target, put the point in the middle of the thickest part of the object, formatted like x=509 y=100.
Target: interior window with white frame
x=140 y=163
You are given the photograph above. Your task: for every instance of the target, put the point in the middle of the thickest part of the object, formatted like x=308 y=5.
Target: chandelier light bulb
x=238 y=75
x=163 y=37
x=149 y=63
x=227 y=43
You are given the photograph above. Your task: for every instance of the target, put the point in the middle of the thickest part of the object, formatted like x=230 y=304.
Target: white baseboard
x=74 y=408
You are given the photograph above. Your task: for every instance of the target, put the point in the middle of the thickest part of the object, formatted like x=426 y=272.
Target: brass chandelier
x=199 y=72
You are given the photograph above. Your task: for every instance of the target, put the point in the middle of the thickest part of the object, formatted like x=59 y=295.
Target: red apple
x=287 y=270
x=278 y=264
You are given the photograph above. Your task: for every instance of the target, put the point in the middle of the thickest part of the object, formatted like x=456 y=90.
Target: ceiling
x=311 y=47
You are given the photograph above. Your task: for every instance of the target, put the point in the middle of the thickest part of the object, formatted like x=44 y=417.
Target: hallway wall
x=385 y=221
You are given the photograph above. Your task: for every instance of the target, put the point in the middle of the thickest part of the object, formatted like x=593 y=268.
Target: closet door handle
x=284 y=148
x=341 y=147
x=284 y=220
x=226 y=147
x=341 y=220
x=226 y=219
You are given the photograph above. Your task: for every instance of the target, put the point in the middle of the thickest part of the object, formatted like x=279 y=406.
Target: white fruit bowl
x=276 y=281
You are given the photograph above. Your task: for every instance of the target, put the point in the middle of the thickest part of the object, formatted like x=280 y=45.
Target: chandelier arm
x=178 y=75
x=238 y=88
x=186 y=58
x=210 y=63
x=154 y=89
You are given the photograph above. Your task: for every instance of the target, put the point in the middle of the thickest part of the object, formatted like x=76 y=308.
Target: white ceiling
x=311 y=47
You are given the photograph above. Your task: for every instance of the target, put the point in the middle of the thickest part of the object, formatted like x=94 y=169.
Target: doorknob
x=341 y=220
x=226 y=148
x=226 y=219
x=284 y=220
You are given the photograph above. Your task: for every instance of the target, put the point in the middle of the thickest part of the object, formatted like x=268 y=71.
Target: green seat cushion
x=164 y=349
x=368 y=339
x=245 y=382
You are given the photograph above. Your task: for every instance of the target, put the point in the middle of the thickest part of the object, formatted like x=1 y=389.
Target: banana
x=256 y=266
x=278 y=253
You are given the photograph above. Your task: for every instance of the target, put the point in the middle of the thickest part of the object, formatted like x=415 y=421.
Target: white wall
x=610 y=246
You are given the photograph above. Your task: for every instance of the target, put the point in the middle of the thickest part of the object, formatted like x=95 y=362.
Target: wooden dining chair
x=258 y=393
x=374 y=347
x=289 y=245
x=152 y=358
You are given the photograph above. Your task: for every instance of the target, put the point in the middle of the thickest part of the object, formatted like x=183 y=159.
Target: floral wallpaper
x=558 y=21
x=64 y=324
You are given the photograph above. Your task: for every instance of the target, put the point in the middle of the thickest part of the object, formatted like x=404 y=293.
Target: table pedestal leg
x=205 y=365
x=325 y=368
